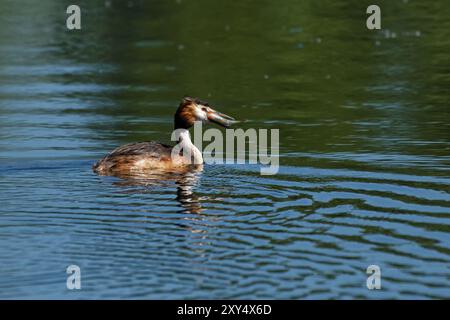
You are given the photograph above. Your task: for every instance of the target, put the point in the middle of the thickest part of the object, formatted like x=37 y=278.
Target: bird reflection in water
x=185 y=181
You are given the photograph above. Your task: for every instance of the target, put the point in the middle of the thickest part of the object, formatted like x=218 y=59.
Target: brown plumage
x=146 y=154
x=143 y=156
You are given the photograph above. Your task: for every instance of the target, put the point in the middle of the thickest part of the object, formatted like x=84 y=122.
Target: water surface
x=364 y=150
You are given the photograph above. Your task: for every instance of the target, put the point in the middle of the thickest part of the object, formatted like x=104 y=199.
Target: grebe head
x=191 y=110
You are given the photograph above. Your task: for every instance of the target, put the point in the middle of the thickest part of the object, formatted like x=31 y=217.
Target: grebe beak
x=220 y=118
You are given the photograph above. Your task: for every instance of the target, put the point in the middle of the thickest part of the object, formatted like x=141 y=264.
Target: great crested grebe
x=141 y=156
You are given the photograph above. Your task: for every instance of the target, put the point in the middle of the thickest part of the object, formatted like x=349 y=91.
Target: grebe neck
x=184 y=140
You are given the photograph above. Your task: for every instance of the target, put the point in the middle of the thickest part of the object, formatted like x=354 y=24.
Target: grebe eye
x=204 y=109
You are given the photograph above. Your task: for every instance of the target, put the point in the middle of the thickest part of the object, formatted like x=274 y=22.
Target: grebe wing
x=148 y=149
x=131 y=153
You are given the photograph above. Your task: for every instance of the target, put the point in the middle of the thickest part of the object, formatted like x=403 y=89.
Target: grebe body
x=144 y=156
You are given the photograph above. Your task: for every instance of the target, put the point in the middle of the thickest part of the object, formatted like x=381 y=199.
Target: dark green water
x=364 y=149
